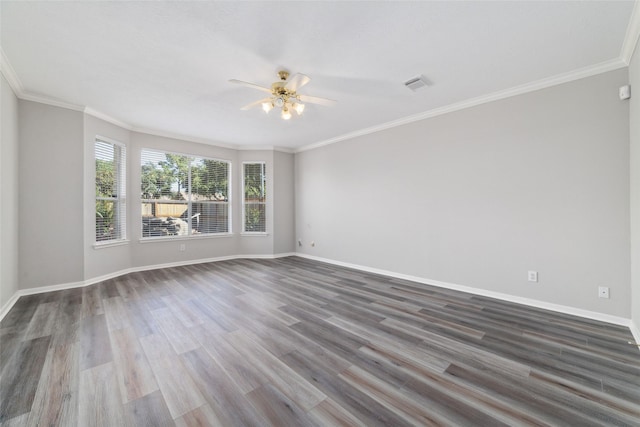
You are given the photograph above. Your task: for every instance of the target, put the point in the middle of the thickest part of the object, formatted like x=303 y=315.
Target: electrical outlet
x=603 y=292
x=532 y=276
x=183 y=247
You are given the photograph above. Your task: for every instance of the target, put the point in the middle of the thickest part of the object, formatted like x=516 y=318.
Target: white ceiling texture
x=164 y=67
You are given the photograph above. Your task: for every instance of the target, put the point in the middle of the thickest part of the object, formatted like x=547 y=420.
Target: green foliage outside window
x=170 y=178
x=254 y=197
x=105 y=187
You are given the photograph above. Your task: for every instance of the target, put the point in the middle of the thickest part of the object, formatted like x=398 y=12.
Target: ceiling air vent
x=416 y=83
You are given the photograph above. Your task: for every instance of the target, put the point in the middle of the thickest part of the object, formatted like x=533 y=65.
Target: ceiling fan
x=283 y=94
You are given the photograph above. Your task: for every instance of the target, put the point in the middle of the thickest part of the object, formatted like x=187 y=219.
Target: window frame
x=189 y=201
x=120 y=201
x=244 y=200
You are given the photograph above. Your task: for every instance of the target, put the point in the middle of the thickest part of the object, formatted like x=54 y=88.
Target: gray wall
x=284 y=210
x=9 y=189
x=51 y=189
x=480 y=196
x=634 y=114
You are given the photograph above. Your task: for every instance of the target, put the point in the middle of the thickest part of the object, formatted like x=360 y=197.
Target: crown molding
x=287 y=150
x=16 y=85
x=100 y=115
x=632 y=36
x=10 y=74
x=26 y=96
x=265 y=148
x=581 y=73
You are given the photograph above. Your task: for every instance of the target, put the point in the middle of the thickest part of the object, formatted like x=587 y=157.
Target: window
x=184 y=195
x=255 y=198
x=111 y=187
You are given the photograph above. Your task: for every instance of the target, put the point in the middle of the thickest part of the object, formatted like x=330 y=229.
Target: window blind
x=183 y=195
x=255 y=197
x=110 y=172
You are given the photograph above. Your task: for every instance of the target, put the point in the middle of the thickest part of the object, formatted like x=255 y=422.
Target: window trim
x=243 y=232
x=121 y=198
x=229 y=232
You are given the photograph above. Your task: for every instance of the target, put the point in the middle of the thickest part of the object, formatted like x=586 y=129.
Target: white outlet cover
x=532 y=276
x=603 y=292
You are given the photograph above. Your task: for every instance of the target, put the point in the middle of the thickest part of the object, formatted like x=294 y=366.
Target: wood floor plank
x=221 y=392
x=135 y=377
x=176 y=333
x=99 y=400
x=589 y=401
x=95 y=346
x=293 y=341
x=108 y=289
x=126 y=289
x=491 y=360
x=406 y=407
x=279 y=374
x=329 y=413
x=180 y=393
x=383 y=343
x=149 y=410
x=10 y=342
x=203 y=416
x=56 y=399
x=141 y=319
x=516 y=395
x=116 y=313
x=276 y=408
x=183 y=312
x=67 y=321
x=245 y=376
x=43 y=321
x=21 y=312
x=19 y=421
x=20 y=379
x=91 y=301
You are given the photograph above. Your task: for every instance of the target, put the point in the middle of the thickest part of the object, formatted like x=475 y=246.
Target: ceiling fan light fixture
x=298 y=107
x=267 y=106
x=283 y=95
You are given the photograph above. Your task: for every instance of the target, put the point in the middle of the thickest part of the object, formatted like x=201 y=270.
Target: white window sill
x=249 y=234
x=183 y=238
x=110 y=244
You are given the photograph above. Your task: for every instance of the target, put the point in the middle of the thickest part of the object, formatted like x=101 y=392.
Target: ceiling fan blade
x=297 y=81
x=315 y=100
x=253 y=104
x=251 y=85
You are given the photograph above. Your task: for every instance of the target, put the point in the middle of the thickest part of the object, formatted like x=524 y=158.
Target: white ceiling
x=164 y=66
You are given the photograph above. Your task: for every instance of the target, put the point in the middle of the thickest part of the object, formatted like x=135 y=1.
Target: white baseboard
x=42 y=289
x=636 y=333
x=607 y=318
x=9 y=305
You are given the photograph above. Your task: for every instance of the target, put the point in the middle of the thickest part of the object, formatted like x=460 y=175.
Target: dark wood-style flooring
x=293 y=342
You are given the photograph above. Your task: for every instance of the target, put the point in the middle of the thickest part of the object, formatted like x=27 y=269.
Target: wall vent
x=416 y=83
